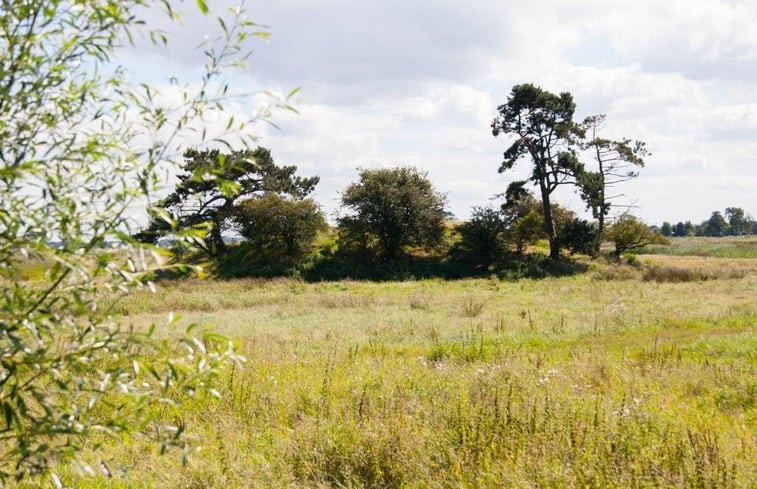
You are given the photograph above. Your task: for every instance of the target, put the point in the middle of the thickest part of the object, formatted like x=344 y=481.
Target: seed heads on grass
x=500 y=325
x=472 y=307
x=420 y=301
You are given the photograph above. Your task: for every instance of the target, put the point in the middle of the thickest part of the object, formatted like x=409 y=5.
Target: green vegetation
x=543 y=126
x=211 y=187
x=390 y=209
x=727 y=247
x=631 y=375
x=736 y=222
x=278 y=232
x=629 y=233
x=81 y=147
x=615 y=162
x=576 y=381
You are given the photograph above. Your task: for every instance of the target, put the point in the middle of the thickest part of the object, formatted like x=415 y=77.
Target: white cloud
x=393 y=82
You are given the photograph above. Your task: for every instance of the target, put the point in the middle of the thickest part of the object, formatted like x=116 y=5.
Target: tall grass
x=559 y=382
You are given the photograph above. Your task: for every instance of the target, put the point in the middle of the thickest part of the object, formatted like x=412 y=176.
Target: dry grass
x=569 y=382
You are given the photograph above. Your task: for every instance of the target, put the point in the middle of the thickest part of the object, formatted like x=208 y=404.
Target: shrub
x=482 y=238
x=579 y=236
x=629 y=233
x=279 y=231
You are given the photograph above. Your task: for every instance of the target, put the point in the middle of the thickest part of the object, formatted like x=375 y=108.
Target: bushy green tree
x=681 y=229
x=213 y=182
x=521 y=211
x=543 y=129
x=629 y=233
x=738 y=222
x=79 y=149
x=278 y=230
x=389 y=209
x=715 y=226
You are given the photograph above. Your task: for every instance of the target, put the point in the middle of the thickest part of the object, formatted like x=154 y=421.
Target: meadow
x=622 y=376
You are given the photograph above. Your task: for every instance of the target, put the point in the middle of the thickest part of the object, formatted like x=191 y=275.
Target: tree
x=737 y=220
x=716 y=225
x=80 y=148
x=543 y=126
x=629 y=233
x=666 y=229
x=212 y=182
x=390 y=209
x=616 y=162
x=278 y=230
x=681 y=229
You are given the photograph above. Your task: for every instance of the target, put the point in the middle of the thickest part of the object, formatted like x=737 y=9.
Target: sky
x=417 y=82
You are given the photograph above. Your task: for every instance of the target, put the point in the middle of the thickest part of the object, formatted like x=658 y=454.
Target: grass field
x=611 y=378
x=726 y=247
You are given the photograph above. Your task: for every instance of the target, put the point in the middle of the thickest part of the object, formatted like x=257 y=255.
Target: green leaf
x=202 y=6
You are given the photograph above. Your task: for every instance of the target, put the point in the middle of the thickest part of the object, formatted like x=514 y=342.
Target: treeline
x=733 y=222
x=393 y=222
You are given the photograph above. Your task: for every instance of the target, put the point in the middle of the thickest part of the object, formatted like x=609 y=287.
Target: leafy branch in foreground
x=73 y=162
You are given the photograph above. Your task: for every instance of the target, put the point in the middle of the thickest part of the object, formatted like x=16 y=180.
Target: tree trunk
x=549 y=223
x=600 y=232
x=215 y=241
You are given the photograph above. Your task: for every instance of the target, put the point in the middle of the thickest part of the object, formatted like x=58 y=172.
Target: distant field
x=726 y=247
x=605 y=379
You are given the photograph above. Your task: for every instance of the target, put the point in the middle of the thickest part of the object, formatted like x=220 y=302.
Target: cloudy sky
x=417 y=82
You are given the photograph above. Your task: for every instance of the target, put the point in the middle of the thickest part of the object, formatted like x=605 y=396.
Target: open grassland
x=725 y=247
x=607 y=379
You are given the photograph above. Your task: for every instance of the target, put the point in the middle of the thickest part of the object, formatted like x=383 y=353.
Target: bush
x=579 y=236
x=629 y=233
x=482 y=242
x=279 y=231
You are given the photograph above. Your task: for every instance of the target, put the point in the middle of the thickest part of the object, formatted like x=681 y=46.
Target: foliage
x=738 y=222
x=716 y=225
x=579 y=236
x=482 y=238
x=544 y=130
x=629 y=233
x=734 y=222
x=213 y=182
x=616 y=162
x=684 y=229
x=489 y=237
x=279 y=230
x=81 y=146
x=526 y=230
x=390 y=209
